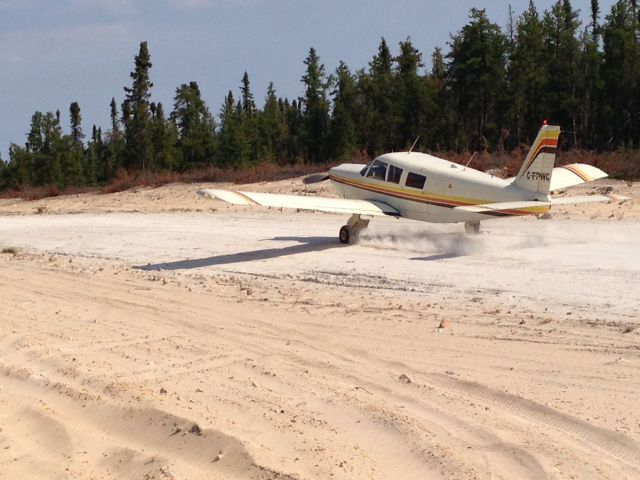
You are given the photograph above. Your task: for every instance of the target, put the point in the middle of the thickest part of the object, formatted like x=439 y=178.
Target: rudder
x=535 y=173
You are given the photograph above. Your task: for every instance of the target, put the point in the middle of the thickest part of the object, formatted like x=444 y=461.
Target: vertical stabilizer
x=535 y=173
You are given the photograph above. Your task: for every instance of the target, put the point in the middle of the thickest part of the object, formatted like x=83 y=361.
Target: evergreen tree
x=19 y=168
x=620 y=71
x=248 y=105
x=595 y=15
x=415 y=101
x=137 y=113
x=316 y=108
x=114 y=145
x=560 y=25
x=442 y=124
x=273 y=128
x=35 y=138
x=231 y=145
x=477 y=76
x=378 y=89
x=76 y=124
x=72 y=161
x=295 y=125
x=249 y=122
x=342 y=132
x=528 y=76
x=195 y=125
x=164 y=137
x=53 y=148
x=92 y=158
x=4 y=174
x=590 y=98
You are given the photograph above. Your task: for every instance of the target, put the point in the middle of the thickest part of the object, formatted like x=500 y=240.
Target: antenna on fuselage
x=472 y=157
x=414 y=144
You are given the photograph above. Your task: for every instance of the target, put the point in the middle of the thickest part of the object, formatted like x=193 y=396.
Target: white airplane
x=422 y=187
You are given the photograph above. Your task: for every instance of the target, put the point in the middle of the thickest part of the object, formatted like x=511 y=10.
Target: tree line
x=489 y=91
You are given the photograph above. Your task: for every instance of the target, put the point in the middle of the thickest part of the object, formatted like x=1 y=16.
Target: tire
x=472 y=228
x=344 y=235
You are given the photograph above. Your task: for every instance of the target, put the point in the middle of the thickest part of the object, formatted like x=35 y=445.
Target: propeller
x=315 y=178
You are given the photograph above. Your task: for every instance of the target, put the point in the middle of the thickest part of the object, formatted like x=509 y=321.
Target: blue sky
x=54 y=52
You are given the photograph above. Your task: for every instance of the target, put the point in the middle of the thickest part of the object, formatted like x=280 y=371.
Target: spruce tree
x=295 y=125
x=442 y=124
x=273 y=128
x=342 y=133
x=248 y=105
x=53 y=148
x=164 y=138
x=560 y=26
x=114 y=144
x=72 y=150
x=621 y=75
x=137 y=114
x=528 y=76
x=316 y=108
x=477 y=73
x=414 y=101
x=76 y=123
x=379 y=91
x=231 y=145
x=195 y=126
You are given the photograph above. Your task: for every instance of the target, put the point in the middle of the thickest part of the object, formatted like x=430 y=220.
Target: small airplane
x=422 y=187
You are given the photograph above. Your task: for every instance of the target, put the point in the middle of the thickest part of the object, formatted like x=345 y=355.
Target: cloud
x=31 y=45
x=191 y=4
x=107 y=6
x=68 y=6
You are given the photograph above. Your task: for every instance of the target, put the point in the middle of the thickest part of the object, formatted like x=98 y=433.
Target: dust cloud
x=452 y=241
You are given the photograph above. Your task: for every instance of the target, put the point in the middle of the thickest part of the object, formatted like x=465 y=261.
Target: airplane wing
x=507 y=207
x=531 y=206
x=323 y=204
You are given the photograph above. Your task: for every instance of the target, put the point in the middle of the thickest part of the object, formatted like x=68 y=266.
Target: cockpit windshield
x=363 y=172
x=378 y=170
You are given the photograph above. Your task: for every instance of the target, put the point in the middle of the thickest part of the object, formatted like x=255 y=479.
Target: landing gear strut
x=472 y=228
x=350 y=232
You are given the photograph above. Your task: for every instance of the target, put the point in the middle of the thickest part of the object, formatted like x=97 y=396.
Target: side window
x=378 y=170
x=394 y=174
x=415 y=181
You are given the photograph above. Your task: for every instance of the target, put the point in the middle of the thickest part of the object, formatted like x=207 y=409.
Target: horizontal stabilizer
x=580 y=199
x=323 y=204
x=518 y=208
x=574 y=174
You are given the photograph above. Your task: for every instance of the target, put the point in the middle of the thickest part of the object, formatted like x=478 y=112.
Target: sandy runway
x=252 y=345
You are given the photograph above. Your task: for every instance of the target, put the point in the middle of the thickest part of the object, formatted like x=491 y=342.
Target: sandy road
x=295 y=356
x=581 y=267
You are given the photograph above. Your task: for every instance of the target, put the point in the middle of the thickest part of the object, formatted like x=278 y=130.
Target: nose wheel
x=350 y=233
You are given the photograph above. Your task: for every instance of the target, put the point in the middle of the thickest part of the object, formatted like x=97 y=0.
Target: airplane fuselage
x=426 y=188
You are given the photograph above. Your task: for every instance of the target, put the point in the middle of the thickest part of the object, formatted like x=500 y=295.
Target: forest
x=488 y=91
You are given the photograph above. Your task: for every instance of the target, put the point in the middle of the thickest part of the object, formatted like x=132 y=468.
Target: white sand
x=297 y=357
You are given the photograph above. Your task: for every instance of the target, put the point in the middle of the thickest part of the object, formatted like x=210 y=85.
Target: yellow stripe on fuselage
x=431 y=198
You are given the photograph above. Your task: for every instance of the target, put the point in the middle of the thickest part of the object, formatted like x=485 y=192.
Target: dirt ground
x=153 y=335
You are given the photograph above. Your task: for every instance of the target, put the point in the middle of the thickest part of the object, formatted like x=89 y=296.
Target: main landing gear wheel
x=350 y=233
x=344 y=235
x=472 y=228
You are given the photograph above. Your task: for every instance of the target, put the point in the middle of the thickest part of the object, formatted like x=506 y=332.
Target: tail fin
x=535 y=173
